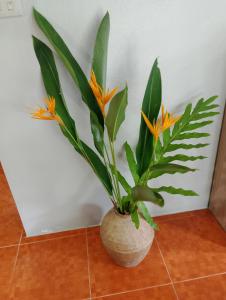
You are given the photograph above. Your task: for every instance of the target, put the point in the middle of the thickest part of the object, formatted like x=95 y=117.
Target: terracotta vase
x=126 y=245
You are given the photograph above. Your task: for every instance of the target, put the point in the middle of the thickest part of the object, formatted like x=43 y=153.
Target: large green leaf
x=161 y=169
x=116 y=113
x=173 y=190
x=52 y=83
x=151 y=105
x=144 y=193
x=53 y=88
x=131 y=162
x=70 y=63
x=98 y=133
x=101 y=50
x=143 y=209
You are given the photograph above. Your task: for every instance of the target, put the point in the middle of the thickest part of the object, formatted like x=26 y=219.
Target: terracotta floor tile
x=173 y=216
x=211 y=288
x=55 y=235
x=201 y=213
x=108 y=278
x=10 y=223
x=193 y=247
x=5 y=194
x=156 y=293
x=52 y=270
x=7 y=260
x=10 y=229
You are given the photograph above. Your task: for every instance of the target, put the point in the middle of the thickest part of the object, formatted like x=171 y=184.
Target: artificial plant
x=158 y=136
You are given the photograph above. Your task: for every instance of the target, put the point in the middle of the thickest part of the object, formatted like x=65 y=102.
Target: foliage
x=158 y=135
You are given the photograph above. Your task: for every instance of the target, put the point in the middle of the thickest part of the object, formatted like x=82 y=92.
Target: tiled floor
x=187 y=261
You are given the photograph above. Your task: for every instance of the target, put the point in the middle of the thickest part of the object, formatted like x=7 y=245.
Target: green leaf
x=143 y=209
x=131 y=162
x=101 y=50
x=210 y=100
x=200 y=116
x=192 y=135
x=183 y=120
x=144 y=193
x=196 y=125
x=173 y=190
x=166 y=136
x=98 y=133
x=70 y=63
x=135 y=218
x=116 y=113
x=174 y=147
x=53 y=88
x=124 y=183
x=183 y=130
x=181 y=157
x=151 y=105
x=161 y=169
x=52 y=83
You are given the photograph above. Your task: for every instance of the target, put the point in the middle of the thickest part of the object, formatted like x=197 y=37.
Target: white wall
x=53 y=188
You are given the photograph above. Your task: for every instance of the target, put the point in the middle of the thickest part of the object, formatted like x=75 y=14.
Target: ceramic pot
x=126 y=245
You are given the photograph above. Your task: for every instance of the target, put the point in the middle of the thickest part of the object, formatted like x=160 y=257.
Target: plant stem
x=108 y=166
x=115 y=174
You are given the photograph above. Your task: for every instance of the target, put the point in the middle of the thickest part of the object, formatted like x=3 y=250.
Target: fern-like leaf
x=191 y=135
x=173 y=190
x=160 y=169
x=185 y=129
x=174 y=147
x=181 y=157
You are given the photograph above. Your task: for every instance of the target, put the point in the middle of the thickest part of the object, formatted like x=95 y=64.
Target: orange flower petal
x=51 y=105
x=155 y=129
x=102 y=97
x=109 y=95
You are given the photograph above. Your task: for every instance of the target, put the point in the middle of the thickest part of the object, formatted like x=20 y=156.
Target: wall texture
x=53 y=188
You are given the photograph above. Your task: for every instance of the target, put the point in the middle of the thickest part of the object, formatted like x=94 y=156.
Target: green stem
x=108 y=164
x=115 y=174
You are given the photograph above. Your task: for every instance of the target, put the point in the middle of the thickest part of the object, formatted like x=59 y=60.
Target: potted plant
x=127 y=230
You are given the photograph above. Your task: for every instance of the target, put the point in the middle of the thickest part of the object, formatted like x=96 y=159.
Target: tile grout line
x=15 y=263
x=200 y=277
x=174 y=289
x=8 y=246
x=88 y=265
x=131 y=291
